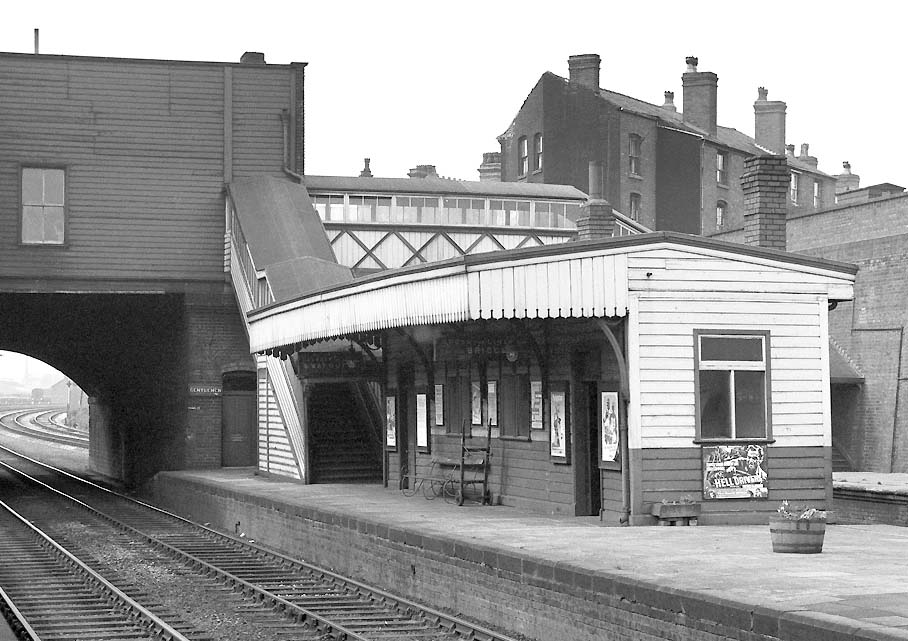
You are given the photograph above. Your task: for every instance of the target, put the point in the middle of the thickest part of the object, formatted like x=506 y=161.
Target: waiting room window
x=795 y=186
x=634 y=162
x=329 y=206
x=722 y=167
x=634 y=205
x=522 y=158
x=732 y=380
x=43 y=206
x=537 y=152
x=721 y=206
x=817 y=194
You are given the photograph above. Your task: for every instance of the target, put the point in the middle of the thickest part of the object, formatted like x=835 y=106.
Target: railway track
x=49 y=593
x=310 y=600
x=43 y=424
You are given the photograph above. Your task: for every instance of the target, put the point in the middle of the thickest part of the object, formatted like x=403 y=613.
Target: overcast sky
x=409 y=83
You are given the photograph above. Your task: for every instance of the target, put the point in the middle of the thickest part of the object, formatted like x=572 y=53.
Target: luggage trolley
x=473 y=469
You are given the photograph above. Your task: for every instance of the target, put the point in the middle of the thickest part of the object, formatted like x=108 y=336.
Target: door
x=239 y=420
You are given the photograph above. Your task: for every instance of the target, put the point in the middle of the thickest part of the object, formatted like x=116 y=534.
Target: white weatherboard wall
x=685 y=291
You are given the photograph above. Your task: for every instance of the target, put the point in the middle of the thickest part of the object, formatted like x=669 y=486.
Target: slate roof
x=726 y=136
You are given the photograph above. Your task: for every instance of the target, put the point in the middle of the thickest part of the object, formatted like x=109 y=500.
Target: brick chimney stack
x=700 y=96
x=846 y=181
x=423 y=171
x=765 y=183
x=366 y=172
x=584 y=70
x=490 y=169
x=769 y=122
x=597 y=218
x=805 y=156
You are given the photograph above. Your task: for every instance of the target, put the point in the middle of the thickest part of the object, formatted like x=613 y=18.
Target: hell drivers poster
x=734 y=472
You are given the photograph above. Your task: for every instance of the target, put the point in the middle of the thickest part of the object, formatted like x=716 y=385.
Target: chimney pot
x=669 y=101
x=253 y=58
x=762 y=93
x=366 y=172
x=790 y=150
x=847 y=167
x=692 y=63
x=804 y=149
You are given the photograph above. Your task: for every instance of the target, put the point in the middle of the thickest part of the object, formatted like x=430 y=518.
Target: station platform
x=543 y=577
x=725 y=577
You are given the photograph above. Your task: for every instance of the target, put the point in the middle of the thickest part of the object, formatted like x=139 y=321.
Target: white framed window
x=634 y=153
x=721 y=208
x=795 y=186
x=817 y=194
x=43 y=206
x=722 y=167
x=537 y=152
x=732 y=379
x=522 y=156
x=635 y=202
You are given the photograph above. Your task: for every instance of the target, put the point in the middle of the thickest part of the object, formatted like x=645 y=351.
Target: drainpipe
x=285 y=163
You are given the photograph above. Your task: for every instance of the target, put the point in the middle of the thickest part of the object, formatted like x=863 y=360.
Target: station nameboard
x=344 y=364
x=205 y=390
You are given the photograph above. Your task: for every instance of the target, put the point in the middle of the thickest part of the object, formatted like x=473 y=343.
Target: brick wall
x=216 y=343
x=510 y=592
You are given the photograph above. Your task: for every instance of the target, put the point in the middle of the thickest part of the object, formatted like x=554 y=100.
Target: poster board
x=559 y=424
x=391 y=423
x=422 y=422
x=536 y=414
x=609 y=431
x=439 y=404
x=735 y=471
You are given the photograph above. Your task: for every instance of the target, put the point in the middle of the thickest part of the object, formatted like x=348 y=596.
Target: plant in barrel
x=797 y=529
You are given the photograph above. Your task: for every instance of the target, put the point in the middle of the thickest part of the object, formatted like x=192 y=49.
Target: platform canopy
x=582 y=279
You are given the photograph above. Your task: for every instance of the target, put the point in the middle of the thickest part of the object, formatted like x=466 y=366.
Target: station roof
x=582 y=279
x=443 y=187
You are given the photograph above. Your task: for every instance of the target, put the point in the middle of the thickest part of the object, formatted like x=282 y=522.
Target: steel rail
x=12 y=421
x=120 y=600
x=445 y=622
x=16 y=620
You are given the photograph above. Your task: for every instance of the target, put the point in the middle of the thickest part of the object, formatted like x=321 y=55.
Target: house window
x=732 y=382
x=722 y=168
x=634 y=145
x=522 y=158
x=721 y=206
x=817 y=194
x=43 y=206
x=634 y=206
x=537 y=152
x=795 y=186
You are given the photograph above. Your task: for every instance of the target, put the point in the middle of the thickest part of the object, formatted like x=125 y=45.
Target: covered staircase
x=345 y=444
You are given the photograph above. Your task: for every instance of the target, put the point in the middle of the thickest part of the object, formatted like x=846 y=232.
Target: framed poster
x=734 y=471
x=492 y=398
x=390 y=423
x=559 y=427
x=475 y=403
x=610 y=435
x=536 y=422
x=422 y=422
x=439 y=404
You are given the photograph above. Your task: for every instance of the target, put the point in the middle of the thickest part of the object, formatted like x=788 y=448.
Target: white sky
x=409 y=83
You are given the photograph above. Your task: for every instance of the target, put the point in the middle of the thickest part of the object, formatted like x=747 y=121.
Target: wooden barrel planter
x=798 y=536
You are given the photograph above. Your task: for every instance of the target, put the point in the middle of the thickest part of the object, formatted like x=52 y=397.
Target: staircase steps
x=342 y=448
